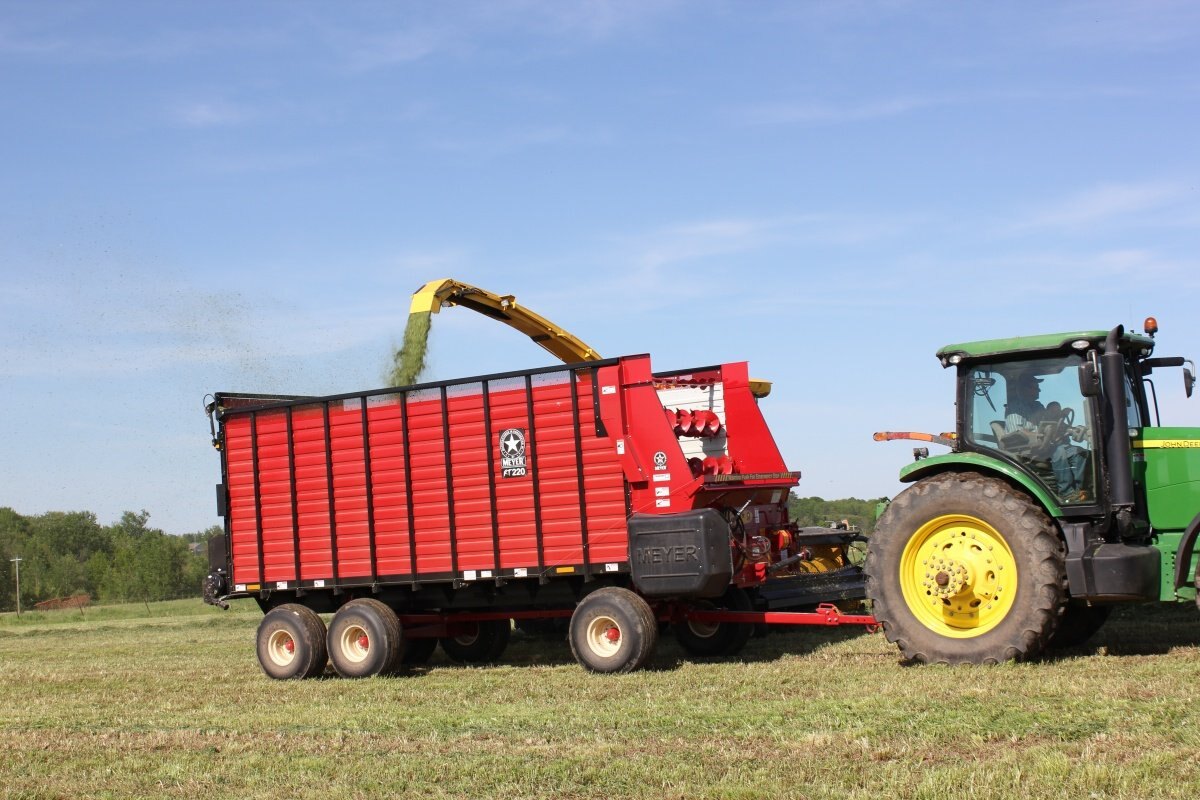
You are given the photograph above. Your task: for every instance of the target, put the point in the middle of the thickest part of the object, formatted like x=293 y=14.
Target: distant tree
x=13 y=532
x=132 y=525
x=818 y=511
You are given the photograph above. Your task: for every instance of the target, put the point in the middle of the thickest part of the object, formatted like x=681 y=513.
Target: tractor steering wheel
x=1055 y=431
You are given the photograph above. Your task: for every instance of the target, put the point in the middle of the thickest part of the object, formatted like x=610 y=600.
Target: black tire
x=708 y=640
x=365 y=639
x=418 y=651
x=484 y=644
x=1078 y=624
x=965 y=569
x=291 y=643
x=613 y=630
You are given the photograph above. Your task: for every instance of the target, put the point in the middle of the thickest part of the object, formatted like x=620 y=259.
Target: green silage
x=408 y=361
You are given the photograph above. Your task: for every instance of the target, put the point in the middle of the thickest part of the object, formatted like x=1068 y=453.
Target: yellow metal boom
x=563 y=345
x=435 y=295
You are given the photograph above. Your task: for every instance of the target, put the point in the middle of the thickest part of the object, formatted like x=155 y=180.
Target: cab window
x=1031 y=412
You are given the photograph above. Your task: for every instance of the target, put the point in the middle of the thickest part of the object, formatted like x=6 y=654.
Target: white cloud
x=460 y=28
x=375 y=51
x=513 y=140
x=210 y=114
x=826 y=114
x=592 y=19
x=1105 y=204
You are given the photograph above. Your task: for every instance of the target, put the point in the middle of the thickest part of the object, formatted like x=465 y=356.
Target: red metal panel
x=486 y=504
x=239 y=482
x=429 y=496
x=515 y=515
x=389 y=498
x=469 y=458
x=349 y=489
x=312 y=496
x=275 y=498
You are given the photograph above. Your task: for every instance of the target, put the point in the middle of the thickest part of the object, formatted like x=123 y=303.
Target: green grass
x=168 y=700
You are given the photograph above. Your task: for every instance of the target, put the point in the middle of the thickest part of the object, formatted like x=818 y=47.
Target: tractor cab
x=1042 y=404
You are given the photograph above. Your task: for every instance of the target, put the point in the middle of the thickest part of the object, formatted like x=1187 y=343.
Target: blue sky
x=242 y=196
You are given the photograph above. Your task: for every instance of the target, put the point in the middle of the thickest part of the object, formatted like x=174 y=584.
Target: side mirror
x=1089 y=377
x=1189 y=378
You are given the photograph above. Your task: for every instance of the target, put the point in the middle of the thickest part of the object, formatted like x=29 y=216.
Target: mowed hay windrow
x=408 y=362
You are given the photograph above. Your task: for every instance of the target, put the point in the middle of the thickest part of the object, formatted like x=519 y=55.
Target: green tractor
x=1061 y=497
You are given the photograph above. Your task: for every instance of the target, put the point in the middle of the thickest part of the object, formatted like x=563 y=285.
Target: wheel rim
x=281 y=648
x=604 y=636
x=703 y=630
x=958 y=576
x=468 y=639
x=355 y=643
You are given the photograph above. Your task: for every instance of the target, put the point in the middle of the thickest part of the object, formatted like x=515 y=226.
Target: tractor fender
x=977 y=462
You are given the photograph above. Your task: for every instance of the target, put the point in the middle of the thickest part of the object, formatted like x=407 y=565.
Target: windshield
x=1033 y=413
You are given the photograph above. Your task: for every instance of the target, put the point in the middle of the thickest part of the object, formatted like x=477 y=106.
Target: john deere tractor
x=1061 y=496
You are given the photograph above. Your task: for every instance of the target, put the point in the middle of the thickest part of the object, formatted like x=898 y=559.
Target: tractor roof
x=1045 y=343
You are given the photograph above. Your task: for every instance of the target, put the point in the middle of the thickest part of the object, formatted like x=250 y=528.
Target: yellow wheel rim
x=958 y=576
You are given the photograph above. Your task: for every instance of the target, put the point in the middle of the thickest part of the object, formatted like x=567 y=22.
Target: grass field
x=168 y=700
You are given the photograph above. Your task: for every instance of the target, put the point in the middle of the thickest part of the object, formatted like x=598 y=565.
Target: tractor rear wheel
x=613 y=630
x=965 y=569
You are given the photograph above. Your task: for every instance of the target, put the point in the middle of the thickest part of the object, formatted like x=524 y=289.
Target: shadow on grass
x=1139 y=630
x=553 y=650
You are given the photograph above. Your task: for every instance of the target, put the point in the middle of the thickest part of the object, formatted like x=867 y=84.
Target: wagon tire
x=418 y=651
x=484 y=645
x=365 y=639
x=708 y=640
x=291 y=643
x=613 y=630
x=966 y=569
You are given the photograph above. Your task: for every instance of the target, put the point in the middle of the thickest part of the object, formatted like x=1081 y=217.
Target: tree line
x=817 y=511
x=68 y=553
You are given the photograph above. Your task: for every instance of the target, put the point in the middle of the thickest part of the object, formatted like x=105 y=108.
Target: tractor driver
x=1024 y=412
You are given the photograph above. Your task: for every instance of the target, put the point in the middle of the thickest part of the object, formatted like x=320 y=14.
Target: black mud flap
x=1108 y=571
x=680 y=555
x=218 y=556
